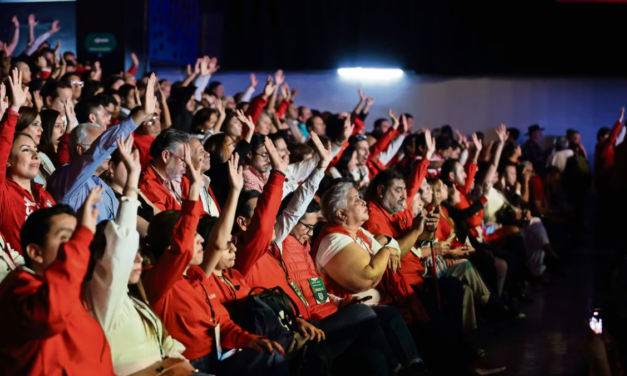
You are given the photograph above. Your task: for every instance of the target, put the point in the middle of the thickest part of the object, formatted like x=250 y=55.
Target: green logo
x=100 y=42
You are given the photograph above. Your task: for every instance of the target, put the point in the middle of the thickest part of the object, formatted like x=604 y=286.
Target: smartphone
x=364 y=299
x=596 y=321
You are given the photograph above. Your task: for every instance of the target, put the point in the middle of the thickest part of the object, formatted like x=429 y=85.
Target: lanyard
x=282 y=265
x=213 y=313
x=145 y=311
x=229 y=284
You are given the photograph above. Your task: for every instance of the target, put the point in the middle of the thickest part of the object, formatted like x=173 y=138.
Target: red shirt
x=47 y=329
x=188 y=304
x=63 y=155
x=536 y=188
x=374 y=166
x=16 y=203
x=604 y=153
x=396 y=225
x=142 y=143
x=227 y=293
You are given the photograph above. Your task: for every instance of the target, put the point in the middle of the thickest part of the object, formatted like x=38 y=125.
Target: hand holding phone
x=364 y=299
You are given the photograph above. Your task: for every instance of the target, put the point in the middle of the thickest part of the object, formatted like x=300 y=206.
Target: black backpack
x=271 y=313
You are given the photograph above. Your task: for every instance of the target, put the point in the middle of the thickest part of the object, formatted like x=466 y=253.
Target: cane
x=435 y=270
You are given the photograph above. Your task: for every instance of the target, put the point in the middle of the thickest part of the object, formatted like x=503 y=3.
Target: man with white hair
x=90 y=148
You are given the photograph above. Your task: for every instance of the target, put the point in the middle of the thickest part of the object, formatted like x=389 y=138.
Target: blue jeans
x=245 y=362
x=397 y=334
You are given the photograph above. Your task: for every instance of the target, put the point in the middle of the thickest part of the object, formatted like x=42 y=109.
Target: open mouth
x=34 y=165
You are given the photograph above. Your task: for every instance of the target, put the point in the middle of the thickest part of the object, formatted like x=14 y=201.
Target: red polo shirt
x=16 y=203
x=188 y=304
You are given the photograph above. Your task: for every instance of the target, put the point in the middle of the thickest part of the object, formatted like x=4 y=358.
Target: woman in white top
x=114 y=293
x=30 y=123
x=348 y=168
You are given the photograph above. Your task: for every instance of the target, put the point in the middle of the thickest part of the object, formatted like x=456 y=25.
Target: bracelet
x=134 y=189
x=12 y=111
x=280 y=172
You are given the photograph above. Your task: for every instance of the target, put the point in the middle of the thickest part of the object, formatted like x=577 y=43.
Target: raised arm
x=31 y=29
x=166 y=119
x=171 y=265
x=258 y=235
x=9 y=48
x=218 y=242
x=108 y=287
x=278 y=81
x=257 y=104
x=191 y=75
x=420 y=170
x=42 y=38
x=360 y=104
x=502 y=134
x=297 y=206
x=250 y=90
x=9 y=121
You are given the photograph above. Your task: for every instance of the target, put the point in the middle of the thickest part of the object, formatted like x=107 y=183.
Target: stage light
x=370 y=73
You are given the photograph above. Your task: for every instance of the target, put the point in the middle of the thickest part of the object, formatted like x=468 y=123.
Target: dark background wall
x=441 y=37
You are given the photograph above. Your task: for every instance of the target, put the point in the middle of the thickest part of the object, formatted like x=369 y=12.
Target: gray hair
x=335 y=199
x=561 y=143
x=169 y=140
x=79 y=136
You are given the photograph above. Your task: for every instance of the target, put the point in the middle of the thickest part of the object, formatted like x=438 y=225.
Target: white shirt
x=133 y=348
x=207 y=201
x=297 y=172
x=296 y=207
x=10 y=259
x=360 y=174
x=386 y=155
x=559 y=159
x=334 y=243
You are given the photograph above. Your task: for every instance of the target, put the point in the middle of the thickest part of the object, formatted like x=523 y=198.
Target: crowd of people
x=150 y=227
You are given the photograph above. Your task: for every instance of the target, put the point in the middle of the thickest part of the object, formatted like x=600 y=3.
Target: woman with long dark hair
x=30 y=123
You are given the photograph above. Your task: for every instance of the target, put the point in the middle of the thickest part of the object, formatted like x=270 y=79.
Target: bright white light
x=370 y=73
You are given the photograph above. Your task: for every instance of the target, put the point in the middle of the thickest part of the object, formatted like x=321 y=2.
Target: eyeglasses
x=234 y=144
x=262 y=155
x=155 y=117
x=310 y=228
x=182 y=159
x=79 y=83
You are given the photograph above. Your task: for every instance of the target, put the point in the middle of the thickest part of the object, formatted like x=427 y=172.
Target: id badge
x=299 y=293
x=227 y=354
x=318 y=289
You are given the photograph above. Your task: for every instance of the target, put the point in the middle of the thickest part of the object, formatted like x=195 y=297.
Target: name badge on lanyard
x=227 y=354
x=318 y=289
x=299 y=293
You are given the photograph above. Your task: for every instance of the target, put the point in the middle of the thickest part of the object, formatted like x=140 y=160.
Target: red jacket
x=604 y=153
x=16 y=204
x=188 y=304
x=301 y=268
x=399 y=291
x=47 y=329
x=226 y=293
x=374 y=166
x=395 y=225
x=255 y=108
x=142 y=143
x=63 y=155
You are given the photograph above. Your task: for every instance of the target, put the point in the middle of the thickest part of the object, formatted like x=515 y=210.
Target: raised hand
x=394 y=119
x=15 y=21
x=189 y=70
x=369 y=101
x=487 y=185
x=192 y=167
x=149 y=102
x=477 y=142
x=236 y=173
x=622 y=115
x=294 y=94
x=70 y=115
x=18 y=93
x=348 y=128
x=285 y=91
x=38 y=100
x=278 y=163
x=253 y=80
x=269 y=88
x=4 y=101
x=248 y=121
x=135 y=59
x=41 y=62
x=430 y=144
x=463 y=142
x=279 y=78
x=130 y=158
x=212 y=64
x=31 y=20
x=204 y=66
x=55 y=27
x=502 y=133
x=197 y=66
x=362 y=96
x=325 y=154
x=88 y=213
x=403 y=127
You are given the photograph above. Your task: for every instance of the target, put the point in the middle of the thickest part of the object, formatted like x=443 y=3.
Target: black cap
x=533 y=128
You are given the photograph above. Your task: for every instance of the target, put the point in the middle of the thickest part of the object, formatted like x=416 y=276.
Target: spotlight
x=370 y=73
